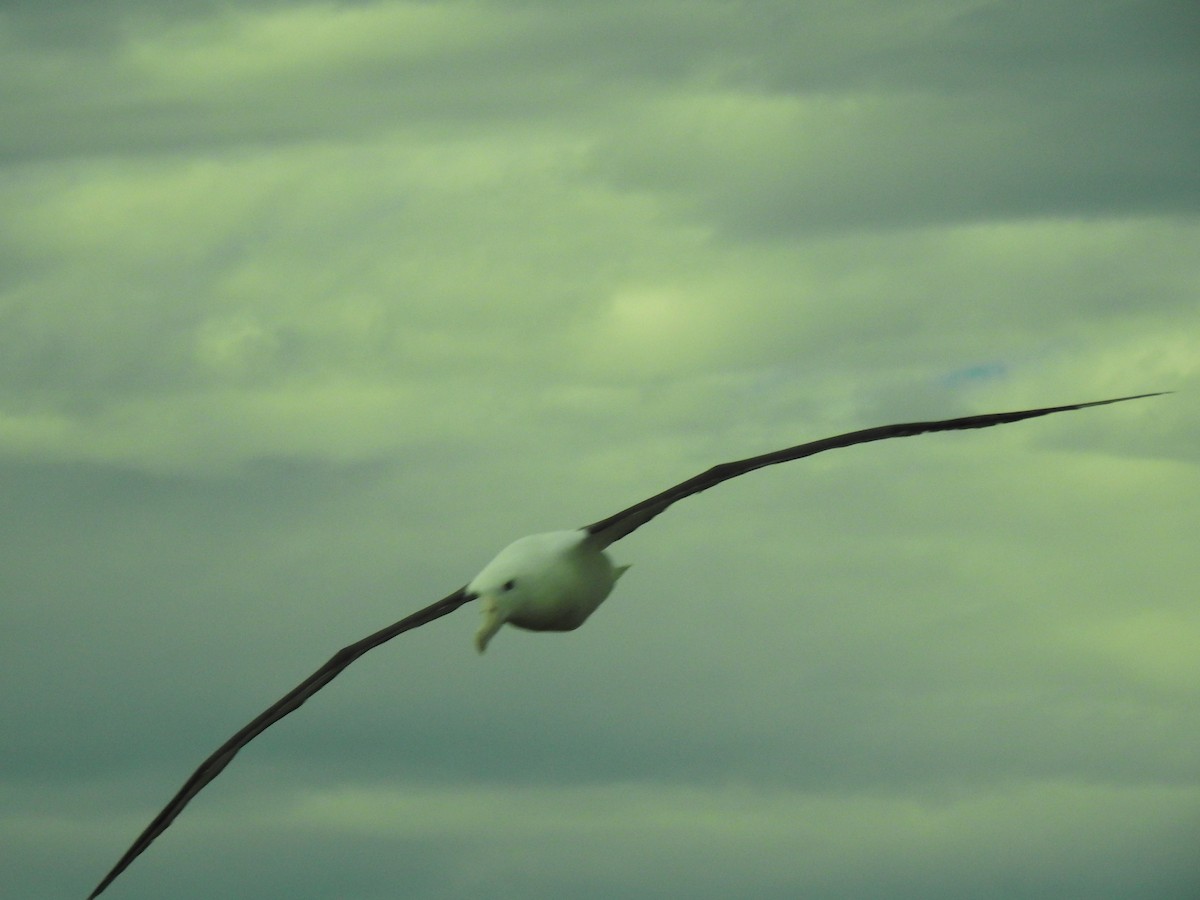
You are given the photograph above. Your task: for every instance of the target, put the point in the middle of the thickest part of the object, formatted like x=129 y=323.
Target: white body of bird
x=544 y=582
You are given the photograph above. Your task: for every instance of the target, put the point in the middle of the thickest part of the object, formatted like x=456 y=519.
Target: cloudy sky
x=306 y=309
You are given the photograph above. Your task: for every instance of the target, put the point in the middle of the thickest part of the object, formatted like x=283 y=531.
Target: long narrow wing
x=604 y=532
x=617 y=526
x=288 y=703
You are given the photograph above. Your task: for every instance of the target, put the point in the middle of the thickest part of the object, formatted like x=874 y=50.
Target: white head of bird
x=543 y=582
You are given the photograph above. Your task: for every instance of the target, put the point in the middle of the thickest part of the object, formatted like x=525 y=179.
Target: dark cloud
x=305 y=309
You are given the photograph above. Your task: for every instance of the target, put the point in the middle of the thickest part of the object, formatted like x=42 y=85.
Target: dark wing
x=617 y=526
x=290 y=702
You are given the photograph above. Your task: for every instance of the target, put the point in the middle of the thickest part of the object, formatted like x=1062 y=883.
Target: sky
x=307 y=309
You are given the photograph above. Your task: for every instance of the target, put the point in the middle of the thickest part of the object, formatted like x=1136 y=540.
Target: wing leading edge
x=604 y=532
x=612 y=529
x=287 y=704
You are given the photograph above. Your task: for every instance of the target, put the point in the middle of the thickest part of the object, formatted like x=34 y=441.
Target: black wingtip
x=1092 y=403
x=607 y=531
x=287 y=704
x=1130 y=397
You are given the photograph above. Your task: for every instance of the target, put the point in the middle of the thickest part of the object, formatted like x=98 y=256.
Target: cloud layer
x=308 y=308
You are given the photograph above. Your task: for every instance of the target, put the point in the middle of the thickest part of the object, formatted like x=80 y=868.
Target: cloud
x=306 y=309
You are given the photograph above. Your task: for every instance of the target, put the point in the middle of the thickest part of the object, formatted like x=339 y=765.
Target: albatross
x=544 y=582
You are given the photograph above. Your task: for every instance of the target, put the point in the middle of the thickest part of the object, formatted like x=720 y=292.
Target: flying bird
x=543 y=582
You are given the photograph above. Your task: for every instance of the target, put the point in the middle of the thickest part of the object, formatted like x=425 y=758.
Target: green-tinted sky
x=307 y=309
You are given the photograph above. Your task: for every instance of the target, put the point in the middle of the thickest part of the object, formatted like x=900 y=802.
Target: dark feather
x=615 y=527
x=287 y=704
x=604 y=533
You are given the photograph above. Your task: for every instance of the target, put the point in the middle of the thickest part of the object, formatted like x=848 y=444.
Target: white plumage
x=544 y=582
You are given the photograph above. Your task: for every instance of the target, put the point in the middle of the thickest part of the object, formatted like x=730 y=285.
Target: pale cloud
x=1153 y=646
x=306 y=309
x=309 y=42
x=645 y=838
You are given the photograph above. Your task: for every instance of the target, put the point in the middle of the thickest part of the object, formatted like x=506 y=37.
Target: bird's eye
x=510 y=584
